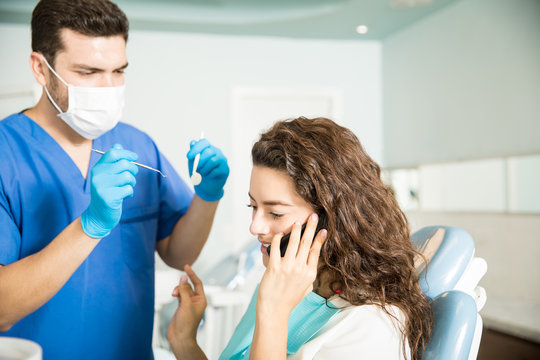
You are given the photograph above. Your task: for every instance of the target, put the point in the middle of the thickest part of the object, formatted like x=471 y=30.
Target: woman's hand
x=182 y=330
x=289 y=279
x=285 y=283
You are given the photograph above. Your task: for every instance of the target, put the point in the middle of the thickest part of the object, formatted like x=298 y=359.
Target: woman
x=363 y=297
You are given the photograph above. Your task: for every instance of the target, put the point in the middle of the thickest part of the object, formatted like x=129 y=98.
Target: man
x=79 y=229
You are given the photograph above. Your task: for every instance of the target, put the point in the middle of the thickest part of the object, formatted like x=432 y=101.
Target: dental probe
x=136 y=163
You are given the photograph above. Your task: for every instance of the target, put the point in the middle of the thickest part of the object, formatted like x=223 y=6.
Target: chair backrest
x=454 y=320
x=450 y=282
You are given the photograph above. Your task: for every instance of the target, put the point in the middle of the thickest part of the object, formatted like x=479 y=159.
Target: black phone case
x=285 y=240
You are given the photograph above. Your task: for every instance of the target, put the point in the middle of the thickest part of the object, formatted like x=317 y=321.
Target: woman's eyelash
x=273 y=214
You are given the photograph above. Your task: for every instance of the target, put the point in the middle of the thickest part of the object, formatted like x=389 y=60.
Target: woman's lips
x=264 y=248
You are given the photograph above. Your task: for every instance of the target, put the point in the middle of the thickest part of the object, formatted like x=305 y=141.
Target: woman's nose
x=258 y=226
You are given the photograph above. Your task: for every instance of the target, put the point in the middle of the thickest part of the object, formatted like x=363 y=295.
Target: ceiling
x=310 y=19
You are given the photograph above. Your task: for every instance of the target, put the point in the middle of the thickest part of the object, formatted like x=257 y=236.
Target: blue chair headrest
x=448 y=251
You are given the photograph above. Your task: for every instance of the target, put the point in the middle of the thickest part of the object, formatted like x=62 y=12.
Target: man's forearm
x=27 y=284
x=189 y=235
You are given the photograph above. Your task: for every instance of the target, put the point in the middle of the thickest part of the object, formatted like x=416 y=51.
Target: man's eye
x=85 y=73
x=252 y=206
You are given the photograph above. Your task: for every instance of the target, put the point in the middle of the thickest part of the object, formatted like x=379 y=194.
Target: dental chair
x=450 y=282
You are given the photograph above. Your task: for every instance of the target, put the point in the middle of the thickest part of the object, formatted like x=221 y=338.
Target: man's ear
x=38 y=68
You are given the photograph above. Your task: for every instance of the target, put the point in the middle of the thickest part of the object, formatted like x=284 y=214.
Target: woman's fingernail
x=183 y=278
x=297 y=223
x=314 y=216
x=324 y=232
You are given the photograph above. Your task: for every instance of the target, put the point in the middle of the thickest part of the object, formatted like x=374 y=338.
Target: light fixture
x=362 y=29
x=409 y=3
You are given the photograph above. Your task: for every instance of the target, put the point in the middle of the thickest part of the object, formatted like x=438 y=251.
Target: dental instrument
x=136 y=163
x=196 y=178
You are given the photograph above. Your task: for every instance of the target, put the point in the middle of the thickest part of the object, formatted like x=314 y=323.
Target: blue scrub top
x=106 y=309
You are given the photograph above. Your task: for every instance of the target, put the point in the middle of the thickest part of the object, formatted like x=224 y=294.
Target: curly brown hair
x=368 y=253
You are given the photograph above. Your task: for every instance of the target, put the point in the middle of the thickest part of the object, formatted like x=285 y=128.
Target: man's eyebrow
x=95 y=69
x=123 y=66
x=86 y=67
x=272 y=202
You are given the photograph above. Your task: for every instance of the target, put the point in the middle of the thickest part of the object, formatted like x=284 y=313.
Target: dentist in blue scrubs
x=78 y=230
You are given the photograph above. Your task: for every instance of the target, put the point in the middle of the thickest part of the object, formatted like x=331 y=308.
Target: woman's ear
x=38 y=68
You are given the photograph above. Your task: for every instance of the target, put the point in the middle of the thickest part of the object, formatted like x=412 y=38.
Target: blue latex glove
x=213 y=168
x=111 y=180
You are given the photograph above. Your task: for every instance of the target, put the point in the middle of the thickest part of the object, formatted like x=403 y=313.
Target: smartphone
x=285 y=239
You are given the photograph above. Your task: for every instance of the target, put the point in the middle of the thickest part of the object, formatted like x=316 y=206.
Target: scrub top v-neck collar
x=45 y=142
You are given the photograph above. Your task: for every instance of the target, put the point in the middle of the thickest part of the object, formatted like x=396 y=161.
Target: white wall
x=511 y=245
x=179 y=84
x=463 y=83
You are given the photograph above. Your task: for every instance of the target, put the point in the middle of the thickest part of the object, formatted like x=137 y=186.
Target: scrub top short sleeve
x=10 y=240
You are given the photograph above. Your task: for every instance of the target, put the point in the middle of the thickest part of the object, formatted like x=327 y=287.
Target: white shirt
x=357 y=332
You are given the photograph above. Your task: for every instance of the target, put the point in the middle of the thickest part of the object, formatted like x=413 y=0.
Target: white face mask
x=92 y=111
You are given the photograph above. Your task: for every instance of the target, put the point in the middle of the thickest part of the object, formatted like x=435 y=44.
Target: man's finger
x=116 y=154
x=197 y=147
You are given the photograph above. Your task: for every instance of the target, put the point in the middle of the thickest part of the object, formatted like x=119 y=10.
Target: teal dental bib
x=306 y=319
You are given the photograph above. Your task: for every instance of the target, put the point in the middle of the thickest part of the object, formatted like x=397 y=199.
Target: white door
x=254 y=111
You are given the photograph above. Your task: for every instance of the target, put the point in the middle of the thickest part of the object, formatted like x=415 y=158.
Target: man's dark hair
x=87 y=17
